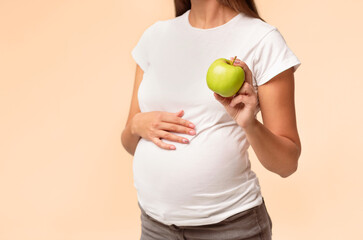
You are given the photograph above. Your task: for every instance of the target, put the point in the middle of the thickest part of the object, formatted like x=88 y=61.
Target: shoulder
x=161 y=26
x=254 y=28
x=162 y=29
x=151 y=28
x=256 y=24
x=156 y=28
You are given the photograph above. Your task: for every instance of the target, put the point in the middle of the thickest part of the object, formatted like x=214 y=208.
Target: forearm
x=276 y=153
x=129 y=139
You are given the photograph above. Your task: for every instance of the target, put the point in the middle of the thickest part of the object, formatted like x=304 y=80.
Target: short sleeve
x=272 y=57
x=140 y=52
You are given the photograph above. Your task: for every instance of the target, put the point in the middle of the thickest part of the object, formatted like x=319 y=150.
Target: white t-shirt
x=209 y=179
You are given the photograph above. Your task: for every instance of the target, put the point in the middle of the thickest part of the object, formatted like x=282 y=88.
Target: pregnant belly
x=214 y=161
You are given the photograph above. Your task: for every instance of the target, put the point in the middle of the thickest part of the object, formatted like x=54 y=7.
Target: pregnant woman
x=191 y=166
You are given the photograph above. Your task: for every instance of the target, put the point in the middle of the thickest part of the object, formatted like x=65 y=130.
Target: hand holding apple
x=242 y=106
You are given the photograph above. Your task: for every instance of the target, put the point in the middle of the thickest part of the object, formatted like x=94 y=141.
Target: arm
x=276 y=142
x=129 y=139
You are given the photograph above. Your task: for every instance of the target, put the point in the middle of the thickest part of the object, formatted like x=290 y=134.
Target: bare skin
x=153 y=126
x=209 y=14
x=276 y=142
x=157 y=124
x=205 y=14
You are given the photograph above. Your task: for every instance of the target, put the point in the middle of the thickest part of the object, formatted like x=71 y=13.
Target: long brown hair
x=245 y=6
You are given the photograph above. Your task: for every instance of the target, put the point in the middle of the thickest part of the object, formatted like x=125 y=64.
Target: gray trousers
x=252 y=224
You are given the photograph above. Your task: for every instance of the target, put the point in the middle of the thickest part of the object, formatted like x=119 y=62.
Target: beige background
x=66 y=81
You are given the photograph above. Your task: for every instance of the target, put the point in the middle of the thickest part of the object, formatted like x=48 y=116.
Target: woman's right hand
x=157 y=124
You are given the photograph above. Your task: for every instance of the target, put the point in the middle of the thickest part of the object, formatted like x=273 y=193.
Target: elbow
x=124 y=144
x=122 y=139
x=288 y=172
x=292 y=166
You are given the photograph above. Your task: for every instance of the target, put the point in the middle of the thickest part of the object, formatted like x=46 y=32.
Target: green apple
x=225 y=78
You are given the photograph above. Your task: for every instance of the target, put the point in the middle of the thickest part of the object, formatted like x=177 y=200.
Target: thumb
x=221 y=99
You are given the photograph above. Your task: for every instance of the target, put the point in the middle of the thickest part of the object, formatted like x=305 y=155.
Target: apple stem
x=234 y=60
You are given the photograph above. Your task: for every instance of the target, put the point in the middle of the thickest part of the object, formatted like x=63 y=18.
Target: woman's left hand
x=242 y=106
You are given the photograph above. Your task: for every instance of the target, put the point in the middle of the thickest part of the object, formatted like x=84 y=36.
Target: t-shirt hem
x=216 y=219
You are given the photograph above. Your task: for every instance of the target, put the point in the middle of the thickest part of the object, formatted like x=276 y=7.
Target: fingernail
x=185 y=140
x=172 y=147
x=191 y=125
x=192 y=132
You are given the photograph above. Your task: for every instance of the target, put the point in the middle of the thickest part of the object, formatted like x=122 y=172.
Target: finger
x=245 y=99
x=162 y=145
x=171 y=137
x=225 y=101
x=246 y=89
x=237 y=100
x=172 y=118
x=246 y=93
x=246 y=69
x=180 y=113
x=174 y=128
